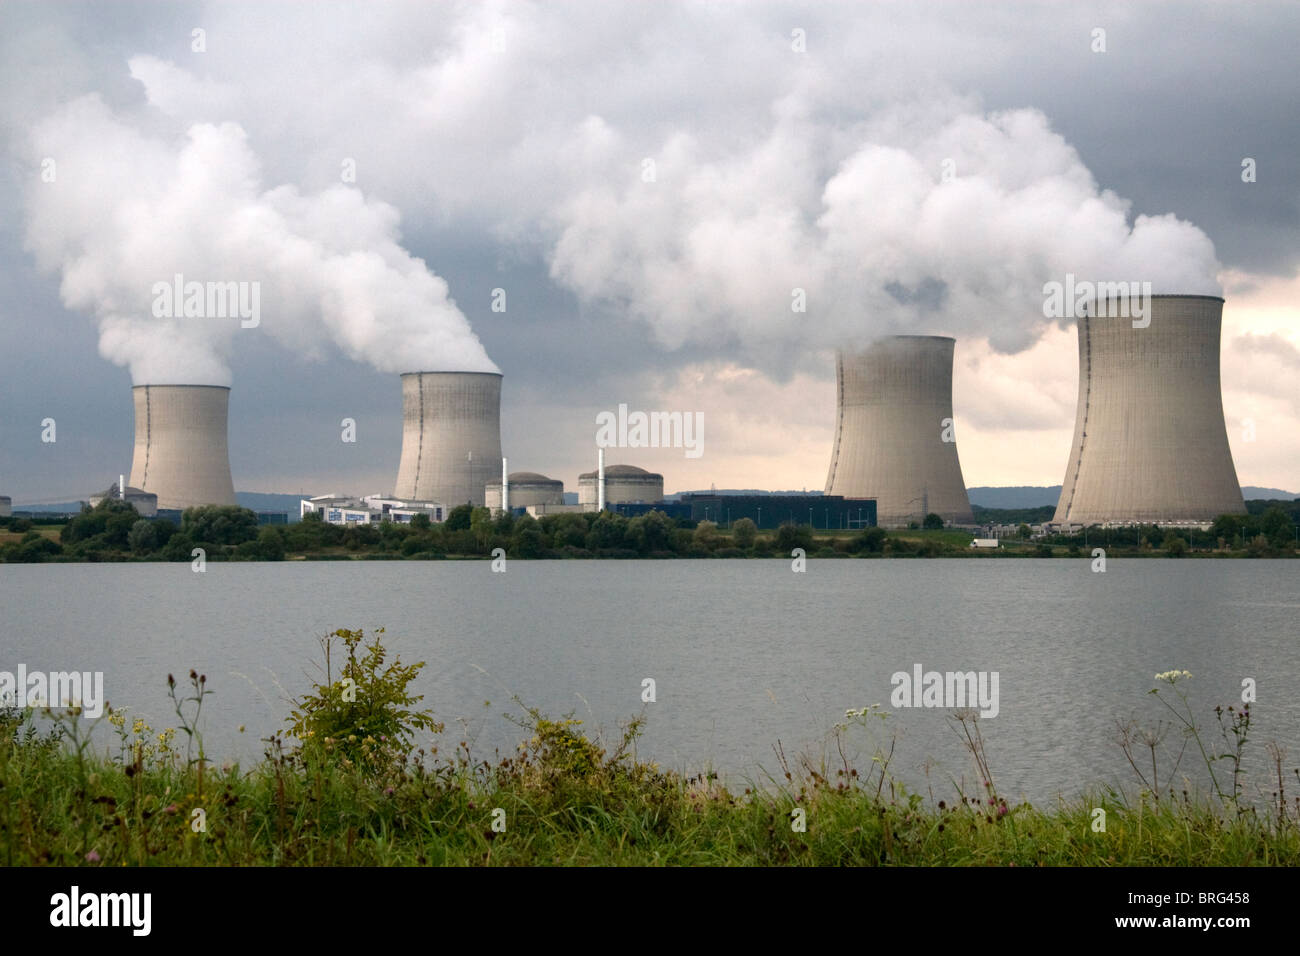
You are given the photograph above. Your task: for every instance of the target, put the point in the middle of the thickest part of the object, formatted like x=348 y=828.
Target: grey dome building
x=893 y=398
x=624 y=484
x=181 y=453
x=1150 y=443
x=451 y=436
x=526 y=488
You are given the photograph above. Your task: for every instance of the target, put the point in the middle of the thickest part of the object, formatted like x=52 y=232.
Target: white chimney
x=600 y=480
x=505 y=486
x=121 y=486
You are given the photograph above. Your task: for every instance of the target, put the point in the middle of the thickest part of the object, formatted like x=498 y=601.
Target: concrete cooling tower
x=1150 y=444
x=451 y=436
x=890 y=426
x=180 y=445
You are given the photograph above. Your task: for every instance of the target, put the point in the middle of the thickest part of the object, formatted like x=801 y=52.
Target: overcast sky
x=647 y=183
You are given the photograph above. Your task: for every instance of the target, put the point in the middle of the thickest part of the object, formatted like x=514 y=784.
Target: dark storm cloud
x=480 y=155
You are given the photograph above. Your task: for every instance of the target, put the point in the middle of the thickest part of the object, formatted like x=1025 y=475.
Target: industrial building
x=1150 y=444
x=772 y=511
x=181 y=455
x=369 y=509
x=6 y=506
x=624 y=484
x=893 y=431
x=525 y=488
x=145 y=503
x=451 y=436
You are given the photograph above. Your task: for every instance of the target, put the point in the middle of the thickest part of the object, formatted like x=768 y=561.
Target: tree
x=219 y=524
x=790 y=536
x=1174 y=545
x=459 y=517
x=608 y=532
x=526 y=540
x=270 y=544
x=650 y=532
x=1275 y=524
x=143 y=538
x=743 y=533
x=706 y=535
x=872 y=540
x=480 y=523
x=1023 y=531
x=420 y=522
x=932 y=522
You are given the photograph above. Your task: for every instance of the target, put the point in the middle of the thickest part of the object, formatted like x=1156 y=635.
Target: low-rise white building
x=369 y=509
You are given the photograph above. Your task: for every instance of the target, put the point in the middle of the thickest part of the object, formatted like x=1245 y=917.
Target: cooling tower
x=180 y=445
x=451 y=436
x=890 y=427
x=1150 y=444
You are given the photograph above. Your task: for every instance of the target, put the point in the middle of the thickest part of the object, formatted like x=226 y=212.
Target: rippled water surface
x=743 y=653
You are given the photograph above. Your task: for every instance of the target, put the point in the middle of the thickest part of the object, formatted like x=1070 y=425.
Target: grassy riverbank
x=348 y=785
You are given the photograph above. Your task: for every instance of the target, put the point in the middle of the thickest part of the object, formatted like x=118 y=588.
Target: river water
x=743 y=654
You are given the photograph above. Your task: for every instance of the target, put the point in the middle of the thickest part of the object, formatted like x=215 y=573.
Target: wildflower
x=1174 y=676
x=92 y=857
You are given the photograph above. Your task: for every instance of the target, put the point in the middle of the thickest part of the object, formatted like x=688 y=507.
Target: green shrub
x=366 y=716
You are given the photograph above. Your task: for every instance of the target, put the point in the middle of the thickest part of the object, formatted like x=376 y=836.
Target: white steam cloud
x=126 y=211
x=935 y=219
x=893 y=204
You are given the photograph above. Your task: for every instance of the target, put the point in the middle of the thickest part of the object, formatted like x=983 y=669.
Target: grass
x=564 y=799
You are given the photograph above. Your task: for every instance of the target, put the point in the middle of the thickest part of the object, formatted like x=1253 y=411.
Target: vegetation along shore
x=113 y=531
x=363 y=774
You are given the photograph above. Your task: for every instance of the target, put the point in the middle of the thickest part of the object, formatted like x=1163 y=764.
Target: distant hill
x=1252 y=493
x=1015 y=496
x=738 y=491
x=1035 y=496
x=261 y=501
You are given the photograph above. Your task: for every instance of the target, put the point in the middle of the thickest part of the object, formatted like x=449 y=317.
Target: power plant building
x=527 y=488
x=451 y=436
x=624 y=484
x=181 y=454
x=369 y=509
x=1150 y=443
x=893 y=431
x=144 y=502
x=772 y=511
x=6 y=506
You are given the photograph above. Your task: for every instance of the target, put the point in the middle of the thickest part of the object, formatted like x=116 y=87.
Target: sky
x=673 y=206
